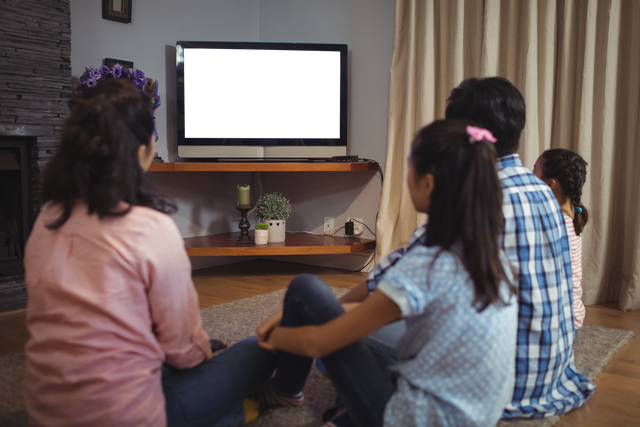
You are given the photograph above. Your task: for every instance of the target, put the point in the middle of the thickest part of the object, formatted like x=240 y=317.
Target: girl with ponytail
x=452 y=286
x=565 y=172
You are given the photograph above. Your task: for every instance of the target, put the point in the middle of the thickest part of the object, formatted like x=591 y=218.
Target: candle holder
x=245 y=238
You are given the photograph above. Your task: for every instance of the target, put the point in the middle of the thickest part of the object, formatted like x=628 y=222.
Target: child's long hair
x=570 y=171
x=98 y=156
x=466 y=203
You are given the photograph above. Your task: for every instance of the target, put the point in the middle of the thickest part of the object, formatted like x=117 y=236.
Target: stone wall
x=35 y=76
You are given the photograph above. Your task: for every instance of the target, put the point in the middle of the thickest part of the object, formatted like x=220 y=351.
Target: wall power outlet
x=327 y=227
x=358 y=226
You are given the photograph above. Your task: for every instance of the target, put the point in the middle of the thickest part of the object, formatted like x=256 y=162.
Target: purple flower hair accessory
x=116 y=71
x=92 y=76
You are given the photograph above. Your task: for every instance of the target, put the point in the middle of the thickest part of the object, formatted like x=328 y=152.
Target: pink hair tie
x=478 y=134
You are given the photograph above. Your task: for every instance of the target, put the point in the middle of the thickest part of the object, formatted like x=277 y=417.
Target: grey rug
x=234 y=321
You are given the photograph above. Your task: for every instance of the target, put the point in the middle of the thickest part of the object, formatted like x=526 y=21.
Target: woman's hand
x=265 y=328
x=267 y=343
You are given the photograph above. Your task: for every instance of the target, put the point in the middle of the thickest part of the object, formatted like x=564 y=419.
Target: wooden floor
x=616 y=401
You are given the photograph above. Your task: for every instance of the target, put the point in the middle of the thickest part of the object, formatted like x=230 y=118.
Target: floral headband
x=478 y=134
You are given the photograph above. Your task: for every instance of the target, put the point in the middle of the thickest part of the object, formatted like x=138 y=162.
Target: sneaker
x=268 y=396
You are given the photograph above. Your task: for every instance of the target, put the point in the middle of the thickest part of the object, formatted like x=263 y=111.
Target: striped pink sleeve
x=575 y=241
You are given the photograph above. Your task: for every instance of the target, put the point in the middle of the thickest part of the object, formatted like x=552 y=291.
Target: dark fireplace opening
x=15 y=223
x=15 y=218
x=35 y=88
x=11 y=241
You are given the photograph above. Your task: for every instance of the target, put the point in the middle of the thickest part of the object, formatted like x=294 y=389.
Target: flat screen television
x=259 y=101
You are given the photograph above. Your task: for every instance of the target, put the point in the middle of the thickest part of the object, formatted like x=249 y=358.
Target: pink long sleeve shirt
x=110 y=300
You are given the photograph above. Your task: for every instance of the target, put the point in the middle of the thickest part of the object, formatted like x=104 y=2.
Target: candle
x=244 y=197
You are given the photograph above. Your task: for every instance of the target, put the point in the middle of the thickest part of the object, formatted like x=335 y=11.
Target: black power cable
x=353 y=219
x=377 y=165
x=365 y=266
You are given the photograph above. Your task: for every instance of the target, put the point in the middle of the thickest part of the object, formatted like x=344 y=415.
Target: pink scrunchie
x=478 y=134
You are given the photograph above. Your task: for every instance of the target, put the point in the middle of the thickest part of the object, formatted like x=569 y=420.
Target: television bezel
x=260 y=148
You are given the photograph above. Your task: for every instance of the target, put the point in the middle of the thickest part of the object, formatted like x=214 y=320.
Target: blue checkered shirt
x=535 y=241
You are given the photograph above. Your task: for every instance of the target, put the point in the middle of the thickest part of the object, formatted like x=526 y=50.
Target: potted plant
x=273 y=209
x=261 y=234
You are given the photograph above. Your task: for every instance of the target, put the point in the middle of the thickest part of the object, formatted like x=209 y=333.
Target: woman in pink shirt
x=565 y=172
x=110 y=293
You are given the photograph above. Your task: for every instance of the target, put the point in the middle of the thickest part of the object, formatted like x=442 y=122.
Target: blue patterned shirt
x=374 y=276
x=535 y=241
x=455 y=365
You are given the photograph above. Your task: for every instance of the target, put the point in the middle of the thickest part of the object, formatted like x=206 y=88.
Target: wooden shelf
x=294 y=244
x=263 y=167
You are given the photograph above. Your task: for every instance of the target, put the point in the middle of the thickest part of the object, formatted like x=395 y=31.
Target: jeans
x=383 y=342
x=206 y=393
x=362 y=382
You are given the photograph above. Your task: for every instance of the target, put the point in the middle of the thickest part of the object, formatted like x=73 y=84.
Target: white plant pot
x=261 y=237
x=276 y=230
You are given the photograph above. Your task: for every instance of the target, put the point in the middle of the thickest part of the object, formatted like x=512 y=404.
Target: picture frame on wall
x=117 y=10
x=110 y=62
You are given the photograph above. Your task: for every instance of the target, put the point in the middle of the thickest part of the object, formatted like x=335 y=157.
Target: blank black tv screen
x=284 y=93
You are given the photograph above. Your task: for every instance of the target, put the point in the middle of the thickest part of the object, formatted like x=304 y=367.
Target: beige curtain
x=577 y=63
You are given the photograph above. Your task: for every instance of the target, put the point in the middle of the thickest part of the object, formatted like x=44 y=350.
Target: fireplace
x=16 y=217
x=35 y=87
x=15 y=203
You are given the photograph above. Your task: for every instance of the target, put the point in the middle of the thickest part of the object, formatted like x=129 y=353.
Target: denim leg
x=386 y=338
x=308 y=301
x=362 y=383
x=202 y=395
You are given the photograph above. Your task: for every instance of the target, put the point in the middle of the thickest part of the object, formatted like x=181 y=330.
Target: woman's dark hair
x=570 y=171
x=466 y=203
x=494 y=104
x=98 y=155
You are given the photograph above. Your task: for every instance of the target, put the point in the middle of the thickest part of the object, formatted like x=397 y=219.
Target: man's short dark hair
x=493 y=103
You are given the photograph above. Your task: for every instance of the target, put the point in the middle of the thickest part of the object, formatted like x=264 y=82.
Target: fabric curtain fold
x=576 y=62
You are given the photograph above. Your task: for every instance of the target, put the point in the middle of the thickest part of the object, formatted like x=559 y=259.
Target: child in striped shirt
x=565 y=173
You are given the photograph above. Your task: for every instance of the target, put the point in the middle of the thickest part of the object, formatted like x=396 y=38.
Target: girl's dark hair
x=466 y=203
x=570 y=171
x=98 y=155
x=492 y=103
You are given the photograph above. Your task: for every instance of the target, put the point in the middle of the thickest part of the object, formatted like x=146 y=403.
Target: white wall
x=206 y=200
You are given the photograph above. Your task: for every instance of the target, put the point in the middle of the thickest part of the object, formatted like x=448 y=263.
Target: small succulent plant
x=272 y=207
x=262 y=226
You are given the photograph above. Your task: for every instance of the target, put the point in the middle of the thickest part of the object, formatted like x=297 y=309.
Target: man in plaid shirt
x=535 y=240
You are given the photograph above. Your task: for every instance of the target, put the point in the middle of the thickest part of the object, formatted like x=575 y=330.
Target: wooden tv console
x=295 y=243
